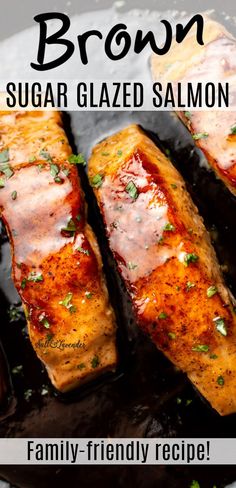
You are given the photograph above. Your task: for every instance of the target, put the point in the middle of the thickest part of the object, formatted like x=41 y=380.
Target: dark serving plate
x=147 y=397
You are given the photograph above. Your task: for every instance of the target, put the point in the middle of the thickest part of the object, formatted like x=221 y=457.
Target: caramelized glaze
x=169 y=292
x=56 y=261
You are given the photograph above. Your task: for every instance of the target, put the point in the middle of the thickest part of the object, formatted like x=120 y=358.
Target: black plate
x=147 y=397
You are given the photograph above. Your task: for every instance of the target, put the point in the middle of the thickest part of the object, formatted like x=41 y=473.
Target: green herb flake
x=88 y=294
x=6 y=170
x=174 y=186
x=95 y=362
x=132 y=265
x=200 y=348
x=190 y=258
x=4 y=156
x=54 y=170
x=45 y=155
x=163 y=315
x=220 y=381
x=220 y=326
x=81 y=366
x=71 y=227
x=188 y=402
x=17 y=369
x=67 y=303
x=233 y=129
x=119 y=152
x=172 y=335
x=58 y=179
x=132 y=190
x=211 y=291
x=194 y=484
x=213 y=356
x=169 y=227
x=189 y=285
x=66 y=171
x=96 y=181
x=67 y=300
x=28 y=394
x=14 y=313
x=23 y=283
x=2 y=183
x=33 y=276
x=200 y=135
x=14 y=195
x=178 y=400
x=77 y=159
x=188 y=115
x=84 y=251
x=104 y=153
x=32 y=159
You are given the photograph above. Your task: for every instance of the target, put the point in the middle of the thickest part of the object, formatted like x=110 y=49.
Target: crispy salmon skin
x=214 y=131
x=57 y=267
x=167 y=262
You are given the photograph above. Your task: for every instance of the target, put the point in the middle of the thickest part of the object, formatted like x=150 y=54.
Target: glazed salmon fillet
x=165 y=257
x=213 y=131
x=57 y=267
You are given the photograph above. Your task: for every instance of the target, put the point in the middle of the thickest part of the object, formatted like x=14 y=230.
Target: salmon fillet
x=164 y=255
x=56 y=263
x=213 y=131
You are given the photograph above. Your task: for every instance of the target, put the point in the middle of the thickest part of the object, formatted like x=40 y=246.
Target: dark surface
x=147 y=397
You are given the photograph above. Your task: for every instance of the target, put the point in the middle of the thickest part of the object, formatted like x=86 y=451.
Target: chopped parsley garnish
x=2 y=183
x=71 y=227
x=84 y=251
x=233 y=130
x=67 y=303
x=200 y=135
x=132 y=190
x=54 y=170
x=213 y=356
x=220 y=326
x=190 y=258
x=14 y=313
x=95 y=362
x=188 y=115
x=77 y=159
x=23 y=283
x=6 y=170
x=14 y=195
x=17 y=369
x=33 y=276
x=174 y=186
x=172 y=335
x=96 y=181
x=27 y=394
x=43 y=320
x=88 y=294
x=119 y=152
x=220 y=381
x=32 y=159
x=4 y=156
x=65 y=170
x=189 y=285
x=81 y=366
x=58 y=179
x=178 y=400
x=163 y=315
x=169 y=227
x=194 y=484
x=45 y=155
x=211 y=291
x=105 y=153
x=200 y=348
x=132 y=265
